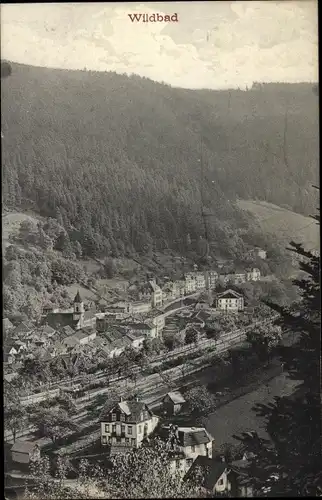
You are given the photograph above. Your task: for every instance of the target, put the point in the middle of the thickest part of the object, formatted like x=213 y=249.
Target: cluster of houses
x=107 y=334
x=62 y=332
x=206 y=280
x=125 y=425
x=192 y=455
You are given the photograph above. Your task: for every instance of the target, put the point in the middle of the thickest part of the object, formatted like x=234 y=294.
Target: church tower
x=78 y=307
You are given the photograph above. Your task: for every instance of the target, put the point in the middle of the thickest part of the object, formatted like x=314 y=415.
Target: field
x=283 y=223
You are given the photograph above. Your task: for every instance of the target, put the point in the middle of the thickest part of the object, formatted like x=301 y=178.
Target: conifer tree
x=290 y=463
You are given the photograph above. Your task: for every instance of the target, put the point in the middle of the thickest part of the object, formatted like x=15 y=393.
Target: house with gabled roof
x=212 y=476
x=173 y=402
x=9 y=354
x=66 y=331
x=25 y=327
x=125 y=424
x=85 y=335
x=186 y=444
x=229 y=301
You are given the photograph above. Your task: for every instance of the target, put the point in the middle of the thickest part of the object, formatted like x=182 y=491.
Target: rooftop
x=23 y=447
x=176 y=397
x=132 y=409
x=192 y=436
x=227 y=294
x=82 y=334
x=210 y=469
x=139 y=326
x=25 y=326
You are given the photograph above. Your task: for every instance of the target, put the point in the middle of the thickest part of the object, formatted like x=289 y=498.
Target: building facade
x=253 y=274
x=212 y=278
x=127 y=424
x=190 y=283
x=156 y=294
x=229 y=301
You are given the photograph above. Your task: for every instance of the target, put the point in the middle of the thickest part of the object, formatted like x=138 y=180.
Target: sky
x=222 y=44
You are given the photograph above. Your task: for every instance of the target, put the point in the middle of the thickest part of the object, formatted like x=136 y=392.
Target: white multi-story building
x=156 y=294
x=190 y=283
x=200 y=281
x=253 y=274
x=187 y=443
x=156 y=318
x=126 y=425
x=211 y=279
x=140 y=307
x=229 y=301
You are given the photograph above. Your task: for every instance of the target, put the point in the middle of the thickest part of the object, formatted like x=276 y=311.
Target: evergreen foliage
x=289 y=464
x=114 y=159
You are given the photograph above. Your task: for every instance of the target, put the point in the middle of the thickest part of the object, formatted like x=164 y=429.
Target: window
x=220 y=482
x=129 y=429
x=127 y=440
x=193 y=448
x=177 y=464
x=133 y=442
x=107 y=428
x=122 y=417
x=140 y=429
x=122 y=428
x=113 y=428
x=104 y=440
x=113 y=417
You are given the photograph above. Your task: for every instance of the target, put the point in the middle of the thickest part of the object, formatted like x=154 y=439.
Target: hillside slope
x=116 y=158
x=284 y=224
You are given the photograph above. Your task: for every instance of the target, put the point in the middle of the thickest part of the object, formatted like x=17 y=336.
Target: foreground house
x=186 y=444
x=126 y=425
x=214 y=475
x=229 y=301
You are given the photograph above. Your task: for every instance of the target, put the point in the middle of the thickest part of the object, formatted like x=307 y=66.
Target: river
x=237 y=416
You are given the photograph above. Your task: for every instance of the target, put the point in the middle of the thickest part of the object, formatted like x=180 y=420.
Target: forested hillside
x=115 y=158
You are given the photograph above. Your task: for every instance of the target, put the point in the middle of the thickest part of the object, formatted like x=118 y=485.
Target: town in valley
x=161 y=317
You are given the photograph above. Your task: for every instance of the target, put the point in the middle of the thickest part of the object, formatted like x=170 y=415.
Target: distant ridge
x=117 y=157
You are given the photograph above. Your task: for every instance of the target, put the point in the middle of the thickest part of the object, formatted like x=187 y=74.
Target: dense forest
x=116 y=159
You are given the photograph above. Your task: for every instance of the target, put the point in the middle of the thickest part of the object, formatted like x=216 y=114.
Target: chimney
x=136 y=399
x=121 y=399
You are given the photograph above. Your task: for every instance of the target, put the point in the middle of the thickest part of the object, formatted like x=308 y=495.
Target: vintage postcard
x=160 y=246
